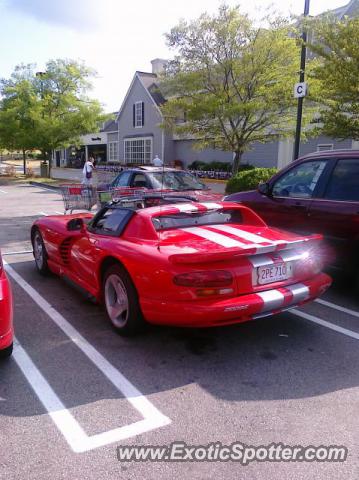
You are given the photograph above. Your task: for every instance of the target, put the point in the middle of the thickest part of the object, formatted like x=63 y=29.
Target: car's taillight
x=208 y=279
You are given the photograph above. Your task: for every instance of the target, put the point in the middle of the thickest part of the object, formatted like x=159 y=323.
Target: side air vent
x=65 y=251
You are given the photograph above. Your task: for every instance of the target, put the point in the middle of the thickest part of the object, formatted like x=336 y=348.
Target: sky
x=115 y=37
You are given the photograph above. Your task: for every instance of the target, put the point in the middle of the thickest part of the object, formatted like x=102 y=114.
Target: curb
x=45 y=185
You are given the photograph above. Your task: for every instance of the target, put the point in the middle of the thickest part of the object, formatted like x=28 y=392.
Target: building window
x=113 y=151
x=138 y=150
x=321 y=147
x=138 y=114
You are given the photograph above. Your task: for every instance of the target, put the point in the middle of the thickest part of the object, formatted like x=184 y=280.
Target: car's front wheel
x=6 y=352
x=121 y=301
x=40 y=253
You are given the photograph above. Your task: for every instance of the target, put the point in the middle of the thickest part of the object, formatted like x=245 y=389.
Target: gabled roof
x=110 y=125
x=351 y=9
x=148 y=81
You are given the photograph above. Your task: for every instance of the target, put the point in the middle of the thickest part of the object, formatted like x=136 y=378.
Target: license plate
x=274 y=273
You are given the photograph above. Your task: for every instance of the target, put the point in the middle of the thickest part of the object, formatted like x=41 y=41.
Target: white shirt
x=88 y=167
x=157 y=162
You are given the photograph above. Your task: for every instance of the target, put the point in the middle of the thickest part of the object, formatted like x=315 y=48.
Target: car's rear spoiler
x=257 y=249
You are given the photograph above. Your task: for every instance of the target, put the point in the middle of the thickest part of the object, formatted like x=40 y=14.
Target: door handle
x=299 y=206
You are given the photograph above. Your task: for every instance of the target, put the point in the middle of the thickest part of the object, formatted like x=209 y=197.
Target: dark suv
x=316 y=193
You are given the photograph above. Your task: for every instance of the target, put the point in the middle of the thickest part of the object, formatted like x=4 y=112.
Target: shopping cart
x=117 y=193
x=78 y=197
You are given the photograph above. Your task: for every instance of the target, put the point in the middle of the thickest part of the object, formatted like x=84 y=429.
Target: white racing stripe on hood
x=214 y=237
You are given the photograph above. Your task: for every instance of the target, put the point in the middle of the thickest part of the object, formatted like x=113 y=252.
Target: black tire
x=6 y=352
x=127 y=318
x=40 y=253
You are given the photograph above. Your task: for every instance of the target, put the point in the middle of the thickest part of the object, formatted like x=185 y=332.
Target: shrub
x=10 y=171
x=196 y=165
x=214 y=166
x=245 y=166
x=30 y=172
x=249 y=179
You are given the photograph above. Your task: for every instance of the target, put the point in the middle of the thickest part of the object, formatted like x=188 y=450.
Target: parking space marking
x=338 y=307
x=20 y=252
x=44 y=214
x=59 y=213
x=2 y=191
x=74 y=435
x=324 y=323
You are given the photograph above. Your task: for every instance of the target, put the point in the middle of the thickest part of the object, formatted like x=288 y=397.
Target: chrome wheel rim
x=116 y=300
x=39 y=251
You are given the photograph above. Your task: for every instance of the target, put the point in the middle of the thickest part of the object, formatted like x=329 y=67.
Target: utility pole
x=301 y=80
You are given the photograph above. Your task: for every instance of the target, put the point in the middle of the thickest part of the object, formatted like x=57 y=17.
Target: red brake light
x=215 y=278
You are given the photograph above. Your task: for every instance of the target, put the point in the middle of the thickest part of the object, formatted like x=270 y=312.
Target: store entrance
x=99 y=153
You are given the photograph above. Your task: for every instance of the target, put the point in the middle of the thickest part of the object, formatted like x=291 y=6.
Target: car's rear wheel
x=6 y=352
x=40 y=253
x=121 y=301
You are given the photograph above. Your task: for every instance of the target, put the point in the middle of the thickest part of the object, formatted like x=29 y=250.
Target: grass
x=6 y=180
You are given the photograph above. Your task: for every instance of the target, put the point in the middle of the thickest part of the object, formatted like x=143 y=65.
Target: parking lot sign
x=300 y=89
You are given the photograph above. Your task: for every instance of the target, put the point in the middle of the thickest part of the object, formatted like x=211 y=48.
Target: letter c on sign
x=300 y=89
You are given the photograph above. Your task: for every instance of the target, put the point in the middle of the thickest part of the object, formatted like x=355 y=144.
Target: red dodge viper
x=6 y=313
x=185 y=263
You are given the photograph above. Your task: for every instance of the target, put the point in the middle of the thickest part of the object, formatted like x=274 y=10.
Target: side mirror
x=75 y=224
x=264 y=188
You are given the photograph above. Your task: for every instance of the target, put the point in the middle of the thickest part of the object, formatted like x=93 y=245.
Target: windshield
x=195 y=219
x=180 y=181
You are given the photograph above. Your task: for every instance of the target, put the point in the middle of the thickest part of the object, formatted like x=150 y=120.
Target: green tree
x=50 y=109
x=335 y=43
x=18 y=110
x=232 y=80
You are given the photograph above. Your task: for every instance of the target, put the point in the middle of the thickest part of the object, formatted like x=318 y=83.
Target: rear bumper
x=234 y=310
x=6 y=313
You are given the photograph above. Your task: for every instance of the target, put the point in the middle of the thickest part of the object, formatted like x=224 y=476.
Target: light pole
x=301 y=79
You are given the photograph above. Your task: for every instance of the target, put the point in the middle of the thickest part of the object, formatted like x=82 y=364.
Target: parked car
x=159 y=178
x=6 y=314
x=186 y=264
x=316 y=193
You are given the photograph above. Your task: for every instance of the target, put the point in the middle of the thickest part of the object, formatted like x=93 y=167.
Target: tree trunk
x=237 y=160
x=24 y=160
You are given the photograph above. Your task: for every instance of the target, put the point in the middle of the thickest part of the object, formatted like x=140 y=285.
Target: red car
x=185 y=264
x=6 y=314
x=317 y=193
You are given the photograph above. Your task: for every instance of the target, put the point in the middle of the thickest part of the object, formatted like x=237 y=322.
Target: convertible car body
x=185 y=264
x=6 y=314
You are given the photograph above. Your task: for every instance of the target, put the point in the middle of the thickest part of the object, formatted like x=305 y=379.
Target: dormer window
x=138 y=114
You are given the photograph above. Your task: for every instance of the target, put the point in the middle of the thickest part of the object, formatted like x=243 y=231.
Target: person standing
x=87 y=171
x=157 y=162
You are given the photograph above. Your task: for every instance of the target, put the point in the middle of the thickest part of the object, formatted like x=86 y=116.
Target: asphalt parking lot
x=74 y=390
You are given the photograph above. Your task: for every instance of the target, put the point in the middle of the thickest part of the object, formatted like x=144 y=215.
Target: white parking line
x=44 y=214
x=20 y=252
x=59 y=213
x=324 y=323
x=338 y=307
x=2 y=191
x=73 y=433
